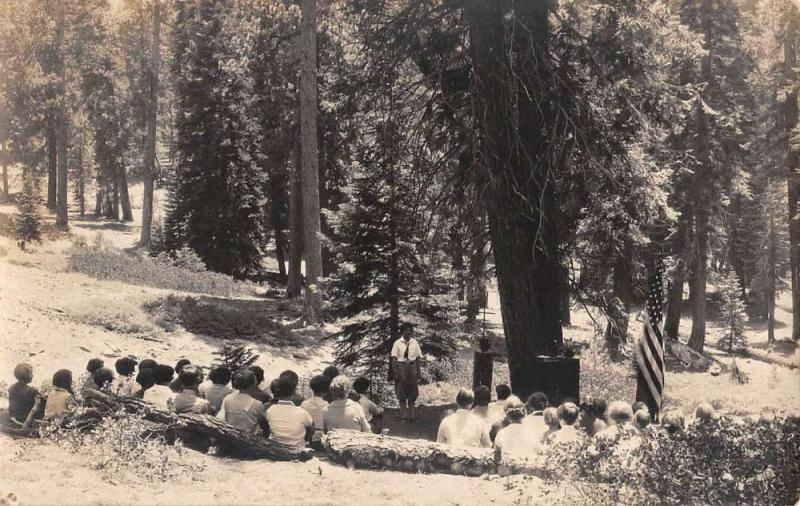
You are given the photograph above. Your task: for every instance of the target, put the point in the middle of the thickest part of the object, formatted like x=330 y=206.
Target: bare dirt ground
x=56 y=319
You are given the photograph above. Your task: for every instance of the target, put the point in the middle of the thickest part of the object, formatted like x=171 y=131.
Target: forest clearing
x=399 y=251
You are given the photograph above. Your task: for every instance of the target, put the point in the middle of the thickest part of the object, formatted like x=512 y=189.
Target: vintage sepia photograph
x=400 y=252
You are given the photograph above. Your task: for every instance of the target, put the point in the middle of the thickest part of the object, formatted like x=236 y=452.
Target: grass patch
x=144 y=270
x=252 y=320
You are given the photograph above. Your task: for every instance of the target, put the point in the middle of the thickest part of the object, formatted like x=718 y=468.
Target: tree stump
x=558 y=377
x=483 y=365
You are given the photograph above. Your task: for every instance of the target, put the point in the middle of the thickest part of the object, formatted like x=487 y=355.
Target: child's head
x=63 y=379
x=147 y=363
x=125 y=366
x=340 y=385
x=641 y=418
x=190 y=376
x=361 y=385
x=620 y=412
x=331 y=372
x=258 y=372
x=103 y=377
x=273 y=387
x=163 y=374
x=551 y=418
x=146 y=378
x=673 y=421
x=243 y=379
x=319 y=385
x=636 y=406
x=180 y=364
x=465 y=398
x=285 y=388
x=24 y=373
x=482 y=396
x=220 y=375
x=705 y=411
x=94 y=364
x=353 y=395
x=291 y=376
x=503 y=391
x=537 y=401
x=568 y=413
x=514 y=409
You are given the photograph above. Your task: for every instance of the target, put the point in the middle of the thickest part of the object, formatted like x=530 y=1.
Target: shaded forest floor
x=56 y=319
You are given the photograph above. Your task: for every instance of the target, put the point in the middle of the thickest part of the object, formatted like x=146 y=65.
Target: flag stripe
x=655 y=348
x=646 y=372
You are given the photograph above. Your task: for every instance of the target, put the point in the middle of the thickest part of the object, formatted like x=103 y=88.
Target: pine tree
x=217 y=201
x=234 y=354
x=733 y=317
x=29 y=221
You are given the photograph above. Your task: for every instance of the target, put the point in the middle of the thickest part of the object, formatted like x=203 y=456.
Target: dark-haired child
x=316 y=405
x=89 y=384
x=22 y=397
x=218 y=389
x=103 y=379
x=161 y=395
x=289 y=424
x=62 y=398
x=294 y=378
x=254 y=390
x=329 y=372
x=189 y=401
x=124 y=384
x=372 y=411
x=179 y=365
x=145 y=380
x=240 y=409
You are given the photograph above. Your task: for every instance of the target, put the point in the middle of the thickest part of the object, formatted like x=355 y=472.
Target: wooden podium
x=483 y=365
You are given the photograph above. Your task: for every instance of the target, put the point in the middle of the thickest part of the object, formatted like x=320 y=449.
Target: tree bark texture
x=698 y=280
x=790 y=120
x=152 y=123
x=122 y=185
x=310 y=161
x=672 y=318
x=235 y=442
x=62 y=219
x=52 y=162
x=277 y=201
x=372 y=451
x=295 y=284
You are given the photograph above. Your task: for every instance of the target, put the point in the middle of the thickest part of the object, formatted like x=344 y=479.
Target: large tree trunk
x=790 y=119
x=310 y=162
x=52 y=161
x=235 y=442
x=771 y=274
x=152 y=123
x=698 y=280
x=672 y=319
x=277 y=201
x=295 y=284
x=524 y=236
x=122 y=185
x=372 y=451
x=80 y=182
x=62 y=220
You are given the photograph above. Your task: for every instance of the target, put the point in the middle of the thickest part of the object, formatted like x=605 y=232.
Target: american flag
x=650 y=348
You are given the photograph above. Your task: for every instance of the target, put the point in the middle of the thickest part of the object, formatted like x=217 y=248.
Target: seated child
x=516 y=440
x=289 y=424
x=218 y=389
x=161 y=395
x=103 y=379
x=22 y=398
x=329 y=372
x=372 y=411
x=145 y=380
x=179 y=365
x=89 y=384
x=294 y=378
x=316 y=405
x=62 y=398
x=254 y=390
x=567 y=416
x=189 y=401
x=551 y=420
x=240 y=409
x=124 y=383
x=342 y=413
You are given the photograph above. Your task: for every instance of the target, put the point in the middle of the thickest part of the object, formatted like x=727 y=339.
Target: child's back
x=21 y=396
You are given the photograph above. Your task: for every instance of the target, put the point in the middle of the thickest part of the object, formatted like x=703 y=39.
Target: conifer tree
x=732 y=314
x=216 y=198
x=29 y=220
x=235 y=355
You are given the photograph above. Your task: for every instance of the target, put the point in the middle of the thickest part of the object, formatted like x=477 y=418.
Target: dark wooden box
x=558 y=377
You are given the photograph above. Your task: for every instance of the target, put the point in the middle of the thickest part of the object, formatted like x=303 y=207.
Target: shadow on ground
x=425 y=426
x=783 y=347
x=221 y=318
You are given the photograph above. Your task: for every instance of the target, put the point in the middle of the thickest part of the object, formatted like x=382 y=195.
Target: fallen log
x=234 y=442
x=375 y=451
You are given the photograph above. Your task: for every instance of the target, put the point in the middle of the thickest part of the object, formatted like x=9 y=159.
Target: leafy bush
x=142 y=270
x=126 y=443
x=727 y=460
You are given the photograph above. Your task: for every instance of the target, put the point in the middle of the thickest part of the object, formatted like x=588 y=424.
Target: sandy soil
x=55 y=319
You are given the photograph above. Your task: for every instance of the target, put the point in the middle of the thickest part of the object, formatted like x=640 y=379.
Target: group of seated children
x=240 y=398
x=522 y=430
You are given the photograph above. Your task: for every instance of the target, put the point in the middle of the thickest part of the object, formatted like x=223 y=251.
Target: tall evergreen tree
x=217 y=201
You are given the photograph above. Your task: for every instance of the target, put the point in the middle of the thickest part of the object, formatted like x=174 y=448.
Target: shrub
x=733 y=316
x=142 y=270
x=726 y=460
x=29 y=222
x=123 y=442
x=235 y=355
